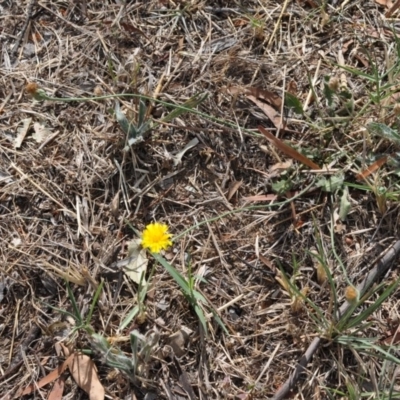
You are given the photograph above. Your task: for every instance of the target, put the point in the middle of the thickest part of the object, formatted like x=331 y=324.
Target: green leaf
x=382 y=130
x=345 y=205
x=189 y=104
x=328 y=92
x=282 y=186
x=71 y=296
x=202 y=318
x=142 y=113
x=125 y=125
x=178 y=278
x=94 y=301
x=127 y=320
x=331 y=184
x=292 y=101
x=374 y=306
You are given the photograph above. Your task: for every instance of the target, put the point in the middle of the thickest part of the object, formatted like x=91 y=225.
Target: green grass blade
x=71 y=296
x=178 y=278
x=189 y=104
x=94 y=302
x=201 y=317
x=141 y=113
x=127 y=320
x=370 y=310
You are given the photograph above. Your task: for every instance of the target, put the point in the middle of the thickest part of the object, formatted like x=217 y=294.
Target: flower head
x=156 y=237
x=351 y=294
x=34 y=90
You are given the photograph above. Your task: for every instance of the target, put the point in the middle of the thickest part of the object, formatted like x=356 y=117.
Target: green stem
x=243 y=209
x=41 y=95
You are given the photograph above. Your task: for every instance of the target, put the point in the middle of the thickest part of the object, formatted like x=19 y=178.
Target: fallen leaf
x=21 y=132
x=57 y=390
x=386 y=3
x=177 y=158
x=234 y=187
x=271 y=97
x=178 y=341
x=40 y=132
x=289 y=151
x=53 y=375
x=262 y=197
x=137 y=265
x=269 y=111
x=394 y=338
x=281 y=166
x=84 y=372
x=392 y=8
x=372 y=168
x=345 y=204
x=292 y=87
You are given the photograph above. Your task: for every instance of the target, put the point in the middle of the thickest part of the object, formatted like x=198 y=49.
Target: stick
x=381 y=267
x=29 y=12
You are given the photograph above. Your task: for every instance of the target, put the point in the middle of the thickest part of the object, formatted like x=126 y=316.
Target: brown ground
x=66 y=197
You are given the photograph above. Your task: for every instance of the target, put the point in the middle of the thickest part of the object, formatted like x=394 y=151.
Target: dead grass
x=65 y=200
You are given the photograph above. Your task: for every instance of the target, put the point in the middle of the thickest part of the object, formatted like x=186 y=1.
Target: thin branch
x=381 y=267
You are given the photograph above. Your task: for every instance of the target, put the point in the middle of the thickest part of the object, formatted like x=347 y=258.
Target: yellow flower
x=156 y=237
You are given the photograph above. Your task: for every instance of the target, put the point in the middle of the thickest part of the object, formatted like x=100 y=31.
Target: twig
x=300 y=367
x=29 y=12
x=382 y=266
x=33 y=334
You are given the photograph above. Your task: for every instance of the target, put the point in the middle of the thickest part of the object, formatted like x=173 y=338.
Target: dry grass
x=65 y=200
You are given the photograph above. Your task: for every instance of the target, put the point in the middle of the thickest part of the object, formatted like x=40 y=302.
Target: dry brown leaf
x=271 y=97
x=84 y=372
x=48 y=378
x=269 y=111
x=346 y=45
x=392 y=8
x=289 y=151
x=234 y=187
x=57 y=390
x=292 y=87
x=21 y=132
x=385 y=3
x=40 y=132
x=268 y=263
x=372 y=168
x=262 y=197
x=281 y=166
x=393 y=337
